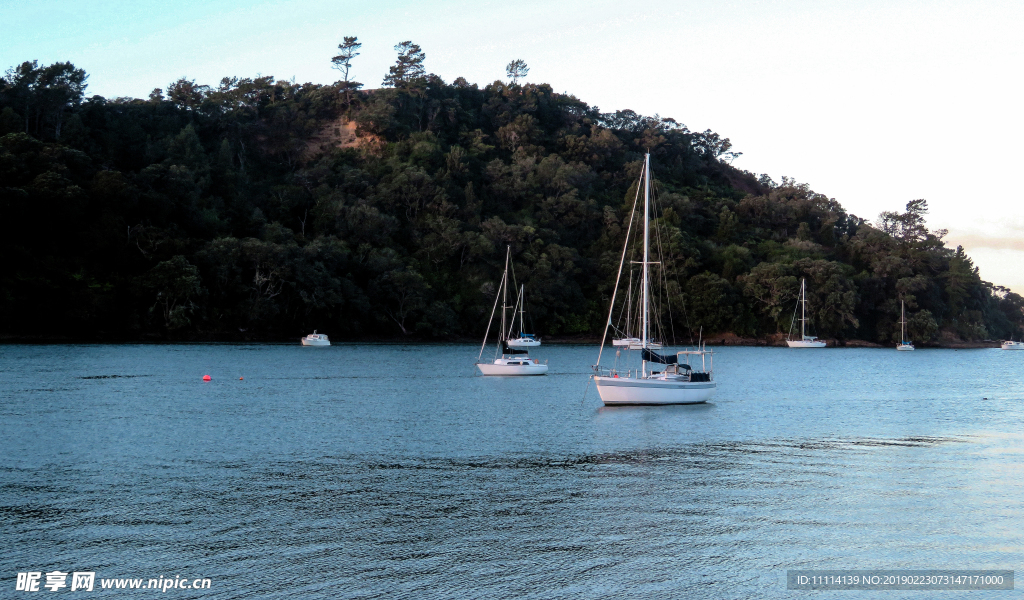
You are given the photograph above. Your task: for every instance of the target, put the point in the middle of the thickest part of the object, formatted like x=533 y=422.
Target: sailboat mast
x=504 y=297
x=522 y=307
x=803 y=309
x=646 y=283
x=903 y=322
x=629 y=304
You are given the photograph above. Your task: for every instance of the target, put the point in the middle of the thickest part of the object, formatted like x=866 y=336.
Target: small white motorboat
x=316 y=339
x=1012 y=345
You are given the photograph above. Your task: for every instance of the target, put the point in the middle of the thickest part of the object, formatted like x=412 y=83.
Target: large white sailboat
x=507 y=360
x=805 y=341
x=677 y=382
x=904 y=345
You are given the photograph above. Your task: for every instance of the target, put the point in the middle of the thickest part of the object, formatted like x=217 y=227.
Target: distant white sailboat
x=678 y=382
x=511 y=361
x=904 y=345
x=627 y=339
x=805 y=341
x=524 y=340
x=1012 y=345
x=635 y=343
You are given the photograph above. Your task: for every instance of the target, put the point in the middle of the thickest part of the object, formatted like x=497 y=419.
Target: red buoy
x=239 y=378
x=207 y=378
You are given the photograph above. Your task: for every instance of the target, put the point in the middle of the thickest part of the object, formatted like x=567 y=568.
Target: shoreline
x=720 y=340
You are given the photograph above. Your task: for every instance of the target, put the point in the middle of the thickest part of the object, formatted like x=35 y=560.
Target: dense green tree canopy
x=267 y=208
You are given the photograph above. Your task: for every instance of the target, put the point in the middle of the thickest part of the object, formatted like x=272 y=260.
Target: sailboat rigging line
x=686 y=317
x=628 y=313
x=523 y=307
x=512 y=269
x=491 y=320
x=514 y=307
x=645 y=271
x=512 y=321
x=663 y=299
x=624 y=314
x=793 y=322
x=671 y=333
x=504 y=304
x=618 y=276
x=520 y=305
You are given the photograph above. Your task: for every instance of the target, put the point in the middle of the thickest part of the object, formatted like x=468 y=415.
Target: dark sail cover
x=506 y=350
x=658 y=358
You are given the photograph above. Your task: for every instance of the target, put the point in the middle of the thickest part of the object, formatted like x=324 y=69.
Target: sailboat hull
x=904 y=347
x=805 y=344
x=517 y=368
x=622 y=391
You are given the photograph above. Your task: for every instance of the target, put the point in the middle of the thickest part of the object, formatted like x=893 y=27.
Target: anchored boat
x=525 y=340
x=658 y=379
x=805 y=341
x=625 y=337
x=904 y=345
x=316 y=339
x=512 y=360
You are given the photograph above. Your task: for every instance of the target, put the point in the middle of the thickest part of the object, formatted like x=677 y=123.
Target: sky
x=873 y=103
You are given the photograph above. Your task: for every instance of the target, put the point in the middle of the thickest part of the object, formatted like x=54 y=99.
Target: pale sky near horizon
x=873 y=103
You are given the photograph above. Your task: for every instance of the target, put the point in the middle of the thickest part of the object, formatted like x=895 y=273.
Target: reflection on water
x=331 y=473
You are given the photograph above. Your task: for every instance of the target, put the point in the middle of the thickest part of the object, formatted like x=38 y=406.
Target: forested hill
x=264 y=209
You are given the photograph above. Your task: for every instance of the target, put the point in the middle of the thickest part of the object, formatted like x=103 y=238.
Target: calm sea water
x=389 y=471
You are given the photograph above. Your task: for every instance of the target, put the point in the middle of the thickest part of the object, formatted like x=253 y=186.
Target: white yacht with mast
x=507 y=360
x=525 y=340
x=677 y=383
x=805 y=341
x=904 y=345
x=626 y=338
